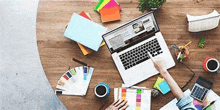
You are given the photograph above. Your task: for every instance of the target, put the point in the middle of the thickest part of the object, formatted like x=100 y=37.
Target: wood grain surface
x=56 y=51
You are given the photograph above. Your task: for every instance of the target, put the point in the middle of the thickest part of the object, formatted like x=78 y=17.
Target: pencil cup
x=210 y=64
x=186 y=49
x=102 y=90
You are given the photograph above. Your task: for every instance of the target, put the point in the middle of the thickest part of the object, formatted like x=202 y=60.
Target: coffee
x=212 y=64
x=100 y=90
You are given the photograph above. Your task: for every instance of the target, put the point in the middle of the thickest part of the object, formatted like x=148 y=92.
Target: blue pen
x=85 y=71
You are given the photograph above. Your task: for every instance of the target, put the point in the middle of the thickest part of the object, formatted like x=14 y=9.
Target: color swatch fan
x=75 y=81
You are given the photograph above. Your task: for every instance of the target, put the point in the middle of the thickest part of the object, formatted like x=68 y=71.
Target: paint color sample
x=68 y=74
x=123 y=94
x=72 y=71
x=65 y=77
x=110 y=14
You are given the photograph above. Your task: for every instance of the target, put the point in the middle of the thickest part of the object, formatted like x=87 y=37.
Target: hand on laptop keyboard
x=159 y=65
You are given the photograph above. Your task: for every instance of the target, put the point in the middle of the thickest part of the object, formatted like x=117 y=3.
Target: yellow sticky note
x=103 y=4
x=156 y=85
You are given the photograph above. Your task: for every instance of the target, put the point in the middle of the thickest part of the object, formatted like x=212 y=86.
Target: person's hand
x=119 y=104
x=160 y=66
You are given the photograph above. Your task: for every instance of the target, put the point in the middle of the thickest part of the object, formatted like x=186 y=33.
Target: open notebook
x=210 y=97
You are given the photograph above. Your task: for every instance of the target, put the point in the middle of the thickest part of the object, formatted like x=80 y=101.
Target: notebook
x=210 y=97
x=138 y=99
x=85 y=32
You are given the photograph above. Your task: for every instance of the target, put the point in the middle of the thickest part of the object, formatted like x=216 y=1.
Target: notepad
x=156 y=84
x=84 y=31
x=102 y=4
x=164 y=87
x=111 y=4
x=110 y=14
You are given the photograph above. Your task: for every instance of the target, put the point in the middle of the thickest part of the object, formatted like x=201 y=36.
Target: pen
x=83 y=63
x=209 y=105
x=178 y=55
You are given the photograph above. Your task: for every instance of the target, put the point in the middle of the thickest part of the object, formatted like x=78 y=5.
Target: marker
x=209 y=105
x=83 y=63
x=60 y=92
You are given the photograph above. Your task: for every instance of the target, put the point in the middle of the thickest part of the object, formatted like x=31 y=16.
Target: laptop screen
x=131 y=32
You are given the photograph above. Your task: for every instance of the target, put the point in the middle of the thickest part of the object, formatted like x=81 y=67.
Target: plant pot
x=154 y=9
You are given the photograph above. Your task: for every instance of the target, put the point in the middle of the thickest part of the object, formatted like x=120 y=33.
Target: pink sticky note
x=112 y=3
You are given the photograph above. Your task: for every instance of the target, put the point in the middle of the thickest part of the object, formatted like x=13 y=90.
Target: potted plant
x=150 y=4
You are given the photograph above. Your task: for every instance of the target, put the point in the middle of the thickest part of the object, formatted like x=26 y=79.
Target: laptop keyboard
x=139 y=54
x=199 y=92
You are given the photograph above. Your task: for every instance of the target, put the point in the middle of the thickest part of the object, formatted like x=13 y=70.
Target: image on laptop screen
x=131 y=32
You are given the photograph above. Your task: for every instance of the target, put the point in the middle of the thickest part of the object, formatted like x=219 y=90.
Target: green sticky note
x=102 y=5
x=98 y=5
x=156 y=84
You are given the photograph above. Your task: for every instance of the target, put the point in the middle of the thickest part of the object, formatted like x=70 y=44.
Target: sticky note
x=164 y=87
x=102 y=5
x=110 y=14
x=98 y=5
x=156 y=85
x=111 y=4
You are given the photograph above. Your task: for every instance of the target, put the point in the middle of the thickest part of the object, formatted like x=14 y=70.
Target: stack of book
x=86 y=33
x=109 y=10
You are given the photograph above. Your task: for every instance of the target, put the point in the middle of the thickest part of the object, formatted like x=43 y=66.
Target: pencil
x=187 y=44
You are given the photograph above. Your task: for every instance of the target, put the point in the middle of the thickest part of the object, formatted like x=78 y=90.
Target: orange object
x=110 y=14
x=84 y=49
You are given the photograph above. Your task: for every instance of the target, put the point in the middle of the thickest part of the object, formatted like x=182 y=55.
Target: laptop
x=201 y=89
x=128 y=45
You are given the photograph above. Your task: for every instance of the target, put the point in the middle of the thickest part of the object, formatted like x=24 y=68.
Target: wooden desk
x=56 y=51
